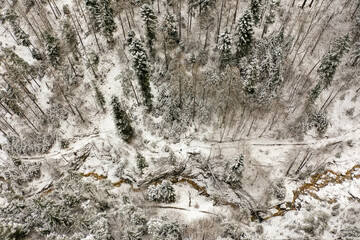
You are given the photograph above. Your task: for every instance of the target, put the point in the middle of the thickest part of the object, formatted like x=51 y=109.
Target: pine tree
x=28 y=4
x=170 y=29
x=122 y=121
x=202 y=5
x=243 y=34
x=107 y=19
x=140 y=64
x=102 y=17
x=150 y=20
x=331 y=60
x=93 y=9
x=236 y=170
x=163 y=193
x=224 y=45
x=141 y=162
x=20 y=35
x=255 y=8
x=328 y=66
x=69 y=36
x=165 y=229
x=52 y=47
x=99 y=97
x=270 y=15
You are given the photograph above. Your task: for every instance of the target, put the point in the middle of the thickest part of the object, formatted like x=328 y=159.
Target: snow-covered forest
x=179 y=119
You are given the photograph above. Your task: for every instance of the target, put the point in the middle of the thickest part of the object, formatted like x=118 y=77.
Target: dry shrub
x=203 y=228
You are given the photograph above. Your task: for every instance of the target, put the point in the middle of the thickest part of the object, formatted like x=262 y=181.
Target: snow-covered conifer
x=236 y=170
x=21 y=36
x=170 y=29
x=244 y=34
x=165 y=229
x=52 y=47
x=140 y=64
x=331 y=60
x=99 y=97
x=102 y=17
x=122 y=121
x=224 y=45
x=150 y=20
x=141 y=162
x=163 y=192
x=255 y=8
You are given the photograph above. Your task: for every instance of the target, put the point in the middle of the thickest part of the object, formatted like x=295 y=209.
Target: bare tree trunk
x=179 y=20
x=52 y=9
x=31 y=26
x=72 y=66
x=180 y=92
x=235 y=13
x=81 y=117
x=10 y=126
x=321 y=33
x=7 y=110
x=96 y=39
x=127 y=17
x=220 y=18
x=56 y=8
x=46 y=21
x=191 y=13
x=3 y=132
x=206 y=37
x=166 y=57
x=77 y=20
x=67 y=100
x=82 y=13
x=136 y=97
x=303 y=5
x=311 y=3
x=194 y=92
x=122 y=26
x=13 y=37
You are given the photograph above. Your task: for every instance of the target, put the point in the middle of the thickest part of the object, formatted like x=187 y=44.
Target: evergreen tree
x=69 y=36
x=29 y=4
x=255 y=8
x=163 y=193
x=122 y=121
x=140 y=64
x=165 y=229
x=20 y=35
x=107 y=19
x=93 y=9
x=102 y=17
x=150 y=20
x=243 y=34
x=356 y=53
x=52 y=47
x=270 y=15
x=262 y=73
x=328 y=66
x=99 y=97
x=141 y=162
x=236 y=170
x=331 y=60
x=170 y=29
x=224 y=45
x=202 y=5
x=315 y=93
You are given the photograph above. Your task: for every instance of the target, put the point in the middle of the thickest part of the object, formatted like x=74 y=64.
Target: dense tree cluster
x=141 y=67
x=102 y=17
